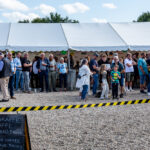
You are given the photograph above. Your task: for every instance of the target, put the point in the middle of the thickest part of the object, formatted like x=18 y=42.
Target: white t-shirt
x=128 y=69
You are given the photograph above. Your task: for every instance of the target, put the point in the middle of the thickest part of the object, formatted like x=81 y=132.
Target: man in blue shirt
x=12 y=76
x=19 y=75
x=95 y=69
x=143 y=71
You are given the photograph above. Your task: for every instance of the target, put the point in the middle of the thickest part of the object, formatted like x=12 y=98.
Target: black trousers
x=115 y=90
x=63 y=79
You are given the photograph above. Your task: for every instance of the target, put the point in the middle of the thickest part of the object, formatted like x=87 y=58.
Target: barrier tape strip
x=37 y=108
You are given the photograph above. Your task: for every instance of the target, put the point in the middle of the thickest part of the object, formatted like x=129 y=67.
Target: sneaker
x=127 y=90
x=148 y=93
x=4 y=100
x=131 y=90
x=121 y=95
x=12 y=97
x=101 y=98
x=143 y=92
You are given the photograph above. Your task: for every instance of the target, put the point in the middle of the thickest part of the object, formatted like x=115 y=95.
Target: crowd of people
x=20 y=74
x=116 y=74
x=99 y=74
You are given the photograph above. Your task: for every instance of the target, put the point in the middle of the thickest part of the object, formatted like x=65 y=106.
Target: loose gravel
x=104 y=128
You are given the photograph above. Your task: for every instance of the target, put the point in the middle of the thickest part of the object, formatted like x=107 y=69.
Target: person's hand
x=94 y=72
x=39 y=70
x=94 y=67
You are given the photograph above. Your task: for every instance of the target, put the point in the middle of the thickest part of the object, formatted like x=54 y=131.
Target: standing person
x=52 y=73
x=105 y=87
x=19 y=76
x=148 y=64
x=62 y=68
x=115 y=76
x=5 y=72
x=95 y=69
x=42 y=66
x=34 y=75
x=84 y=79
x=129 y=70
x=12 y=76
x=121 y=70
x=136 y=72
x=143 y=71
x=26 y=68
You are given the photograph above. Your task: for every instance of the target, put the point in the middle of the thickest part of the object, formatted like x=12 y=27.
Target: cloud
x=13 y=5
x=16 y=16
x=75 y=8
x=109 y=5
x=45 y=9
x=96 y=20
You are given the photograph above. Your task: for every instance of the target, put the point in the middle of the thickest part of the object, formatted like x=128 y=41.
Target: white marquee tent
x=82 y=36
x=136 y=35
x=4 y=33
x=37 y=37
x=93 y=37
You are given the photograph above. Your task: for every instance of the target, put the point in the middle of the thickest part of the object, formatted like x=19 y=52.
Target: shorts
x=121 y=81
x=142 y=79
x=129 y=76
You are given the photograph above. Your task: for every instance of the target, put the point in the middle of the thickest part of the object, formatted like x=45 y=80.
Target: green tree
x=24 y=21
x=145 y=17
x=53 y=18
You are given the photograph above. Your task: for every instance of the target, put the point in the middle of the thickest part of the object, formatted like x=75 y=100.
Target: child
x=115 y=76
x=105 y=87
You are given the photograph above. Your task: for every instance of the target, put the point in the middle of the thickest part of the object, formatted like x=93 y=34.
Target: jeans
x=142 y=79
x=43 y=74
x=26 y=79
x=105 y=90
x=19 y=78
x=115 y=90
x=148 y=82
x=52 y=80
x=95 y=83
x=34 y=80
x=84 y=92
x=11 y=85
x=63 y=78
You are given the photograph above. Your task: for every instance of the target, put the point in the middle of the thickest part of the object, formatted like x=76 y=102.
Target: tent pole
x=69 y=59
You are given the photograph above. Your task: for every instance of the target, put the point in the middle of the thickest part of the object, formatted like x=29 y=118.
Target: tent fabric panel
x=90 y=35
x=34 y=36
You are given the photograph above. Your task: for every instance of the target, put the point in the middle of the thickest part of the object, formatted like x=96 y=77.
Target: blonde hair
x=103 y=66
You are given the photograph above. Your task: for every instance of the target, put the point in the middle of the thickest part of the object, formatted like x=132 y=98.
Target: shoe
x=107 y=98
x=41 y=91
x=4 y=100
x=29 y=92
x=127 y=90
x=131 y=90
x=121 y=95
x=55 y=90
x=143 y=92
x=101 y=98
x=148 y=93
x=12 y=97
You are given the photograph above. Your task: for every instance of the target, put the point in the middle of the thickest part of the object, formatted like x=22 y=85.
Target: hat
x=96 y=54
x=1 y=54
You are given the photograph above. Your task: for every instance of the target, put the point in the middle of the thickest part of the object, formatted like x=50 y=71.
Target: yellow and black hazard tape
x=37 y=108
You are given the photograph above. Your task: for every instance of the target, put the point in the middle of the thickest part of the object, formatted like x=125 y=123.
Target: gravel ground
x=107 y=128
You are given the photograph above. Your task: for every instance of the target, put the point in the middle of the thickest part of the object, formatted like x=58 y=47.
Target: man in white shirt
x=129 y=71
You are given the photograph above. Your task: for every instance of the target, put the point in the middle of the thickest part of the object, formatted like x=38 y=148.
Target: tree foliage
x=145 y=17
x=53 y=18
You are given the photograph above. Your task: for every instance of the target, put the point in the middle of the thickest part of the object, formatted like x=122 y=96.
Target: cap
x=96 y=54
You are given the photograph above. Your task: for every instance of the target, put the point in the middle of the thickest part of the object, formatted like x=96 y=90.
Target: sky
x=86 y=11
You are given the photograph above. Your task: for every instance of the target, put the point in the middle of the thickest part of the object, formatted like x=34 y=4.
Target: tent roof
x=136 y=35
x=37 y=37
x=4 y=32
x=93 y=37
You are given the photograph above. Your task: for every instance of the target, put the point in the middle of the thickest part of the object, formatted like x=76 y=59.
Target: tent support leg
x=69 y=59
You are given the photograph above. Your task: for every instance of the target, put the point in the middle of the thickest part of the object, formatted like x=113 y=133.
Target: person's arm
x=1 y=65
x=140 y=66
